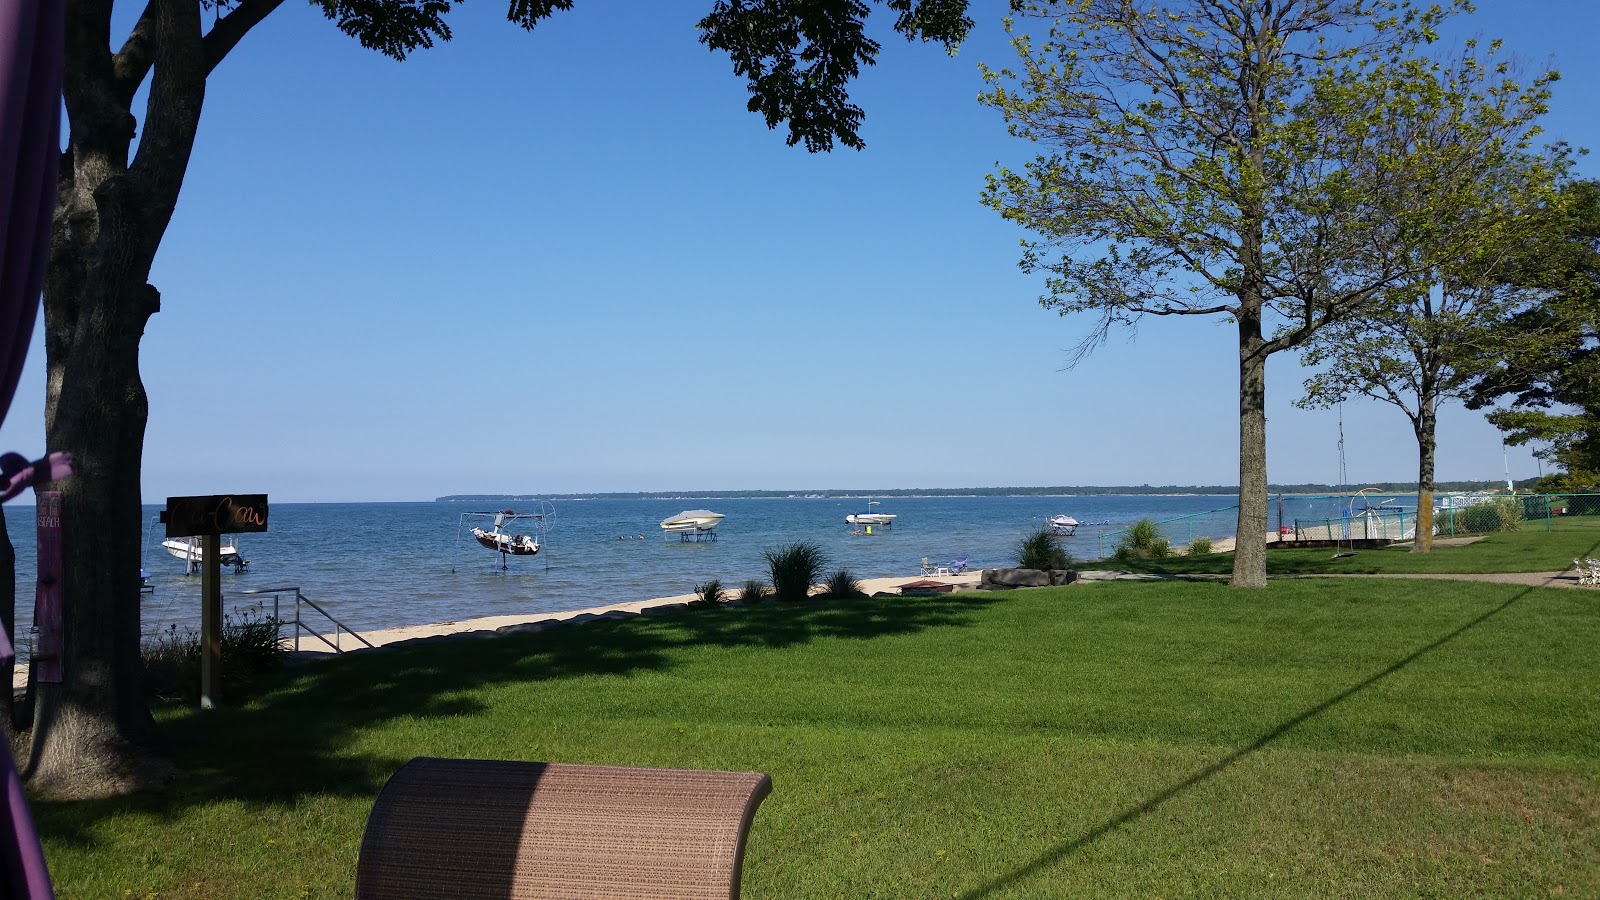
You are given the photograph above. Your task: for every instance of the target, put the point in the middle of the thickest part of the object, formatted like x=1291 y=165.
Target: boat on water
x=1063 y=524
x=502 y=535
x=691 y=521
x=882 y=520
x=191 y=551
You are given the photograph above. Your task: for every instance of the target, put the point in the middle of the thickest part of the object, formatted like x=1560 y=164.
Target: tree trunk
x=92 y=733
x=1250 y=540
x=1426 y=422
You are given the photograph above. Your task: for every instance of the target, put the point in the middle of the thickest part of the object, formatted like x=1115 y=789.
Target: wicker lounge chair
x=471 y=829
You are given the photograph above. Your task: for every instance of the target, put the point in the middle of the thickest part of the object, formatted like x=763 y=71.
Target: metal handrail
x=300 y=625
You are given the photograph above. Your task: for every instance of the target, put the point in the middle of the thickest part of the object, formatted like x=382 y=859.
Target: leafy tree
x=115 y=199
x=1419 y=344
x=1547 y=357
x=1235 y=159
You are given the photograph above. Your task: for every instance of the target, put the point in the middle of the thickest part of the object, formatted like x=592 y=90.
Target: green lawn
x=1322 y=738
x=1532 y=549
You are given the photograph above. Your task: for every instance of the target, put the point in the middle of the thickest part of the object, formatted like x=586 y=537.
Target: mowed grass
x=1532 y=549
x=1322 y=738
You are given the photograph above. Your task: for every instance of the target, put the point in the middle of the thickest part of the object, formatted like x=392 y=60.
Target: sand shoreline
x=311 y=648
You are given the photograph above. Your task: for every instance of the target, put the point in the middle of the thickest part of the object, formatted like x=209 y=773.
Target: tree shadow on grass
x=293 y=740
x=1133 y=814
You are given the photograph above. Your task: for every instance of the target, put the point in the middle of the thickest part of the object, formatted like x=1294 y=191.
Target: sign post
x=209 y=518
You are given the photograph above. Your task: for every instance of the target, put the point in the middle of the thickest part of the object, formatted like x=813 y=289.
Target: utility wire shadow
x=1135 y=813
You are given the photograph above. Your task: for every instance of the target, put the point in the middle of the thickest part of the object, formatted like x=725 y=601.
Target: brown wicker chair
x=474 y=829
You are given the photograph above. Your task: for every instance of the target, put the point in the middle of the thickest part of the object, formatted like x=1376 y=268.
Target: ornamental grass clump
x=754 y=592
x=1143 y=540
x=1200 y=546
x=794 y=569
x=843 y=586
x=1042 y=550
x=251 y=647
x=710 y=593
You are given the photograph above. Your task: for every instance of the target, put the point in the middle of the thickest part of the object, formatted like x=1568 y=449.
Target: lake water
x=376 y=565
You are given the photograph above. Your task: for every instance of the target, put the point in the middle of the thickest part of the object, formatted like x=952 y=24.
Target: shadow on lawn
x=294 y=740
x=1134 y=813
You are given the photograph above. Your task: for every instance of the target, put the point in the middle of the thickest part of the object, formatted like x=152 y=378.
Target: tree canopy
x=1243 y=159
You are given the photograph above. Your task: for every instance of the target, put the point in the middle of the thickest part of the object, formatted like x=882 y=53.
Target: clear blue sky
x=571 y=261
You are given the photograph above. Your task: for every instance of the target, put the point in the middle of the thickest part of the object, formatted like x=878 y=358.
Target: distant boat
x=190 y=550
x=884 y=520
x=1063 y=524
x=692 y=520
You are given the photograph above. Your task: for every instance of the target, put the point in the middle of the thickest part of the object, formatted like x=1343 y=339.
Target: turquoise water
x=377 y=565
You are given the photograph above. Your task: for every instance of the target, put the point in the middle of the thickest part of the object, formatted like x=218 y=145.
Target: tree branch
x=132 y=62
x=232 y=28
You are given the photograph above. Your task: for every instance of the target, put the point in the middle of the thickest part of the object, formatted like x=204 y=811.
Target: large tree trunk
x=1426 y=423
x=1250 y=540
x=92 y=733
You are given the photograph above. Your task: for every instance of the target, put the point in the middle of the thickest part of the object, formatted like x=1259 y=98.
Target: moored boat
x=1063 y=524
x=692 y=520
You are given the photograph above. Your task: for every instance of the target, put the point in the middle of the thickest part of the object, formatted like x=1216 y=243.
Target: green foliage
x=1143 y=540
x=251 y=647
x=794 y=569
x=799 y=56
x=1499 y=514
x=843 y=586
x=1042 y=550
x=1186 y=170
x=710 y=593
x=754 y=592
x=1546 y=359
x=1200 y=546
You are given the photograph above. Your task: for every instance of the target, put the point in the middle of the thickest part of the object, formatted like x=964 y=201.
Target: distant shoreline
x=1388 y=487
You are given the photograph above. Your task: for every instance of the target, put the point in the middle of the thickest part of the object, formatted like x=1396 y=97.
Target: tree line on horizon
x=1221 y=490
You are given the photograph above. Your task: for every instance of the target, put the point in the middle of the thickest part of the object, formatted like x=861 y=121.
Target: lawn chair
x=929 y=568
x=958 y=565
x=474 y=829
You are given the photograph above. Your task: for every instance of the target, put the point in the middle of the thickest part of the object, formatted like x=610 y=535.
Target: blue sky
x=571 y=261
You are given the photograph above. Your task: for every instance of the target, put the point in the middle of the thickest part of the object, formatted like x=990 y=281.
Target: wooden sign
x=217 y=514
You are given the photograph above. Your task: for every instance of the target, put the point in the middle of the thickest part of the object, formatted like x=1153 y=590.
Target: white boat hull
x=870 y=519
x=697 y=520
x=1064 y=524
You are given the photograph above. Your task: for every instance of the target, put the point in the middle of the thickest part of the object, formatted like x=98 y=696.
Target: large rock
x=1059 y=577
x=1016 y=577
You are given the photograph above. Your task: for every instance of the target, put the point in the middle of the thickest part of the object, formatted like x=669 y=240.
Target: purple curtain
x=31 y=59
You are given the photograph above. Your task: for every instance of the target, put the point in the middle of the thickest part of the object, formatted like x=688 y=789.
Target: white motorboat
x=502 y=537
x=882 y=520
x=1063 y=524
x=500 y=542
x=191 y=551
x=692 y=520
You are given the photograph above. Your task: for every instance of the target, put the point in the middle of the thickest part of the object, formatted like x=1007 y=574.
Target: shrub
x=251 y=647
x=793 y=569
x=710 y=593
x=842 y=586
x=1042 y=550
x=754 y=592
x=1143 y=540
x=1200 y=546
x=1499 y=514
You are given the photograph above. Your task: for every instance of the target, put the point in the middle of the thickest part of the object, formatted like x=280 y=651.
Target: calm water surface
x=376 y=565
